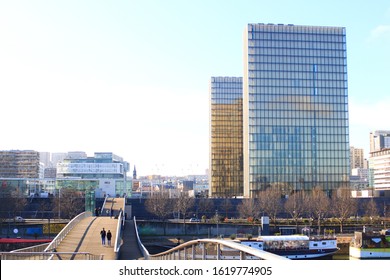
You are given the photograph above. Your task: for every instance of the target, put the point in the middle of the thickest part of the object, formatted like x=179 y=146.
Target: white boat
x=370 y=245
x=295 y=247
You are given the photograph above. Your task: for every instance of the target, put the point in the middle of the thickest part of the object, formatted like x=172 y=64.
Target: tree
x=270 y=202
x=371 y=209
x=206 y=206
x=296 y=205
x=319 y=204
x=183 y=203
x=69 y=203
x=226 y=205
x=18 y=200
x=248 y=208
x=159 y=204
x=343 y=205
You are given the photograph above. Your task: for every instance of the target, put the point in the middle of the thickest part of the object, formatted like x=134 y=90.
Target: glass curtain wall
x=296 y=131
x=226 y=158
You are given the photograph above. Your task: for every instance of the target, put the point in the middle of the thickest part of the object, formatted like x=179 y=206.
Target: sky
x=132 y=77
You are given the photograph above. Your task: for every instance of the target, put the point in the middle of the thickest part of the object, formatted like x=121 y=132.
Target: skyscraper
x=379 y=139
x=226 y=127
x=295 y=107
x=356 y=157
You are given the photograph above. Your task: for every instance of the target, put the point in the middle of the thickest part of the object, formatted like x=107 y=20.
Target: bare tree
x=270 y=202
x=69 y=203
x=19 y=202
x=206 y=205
x=343 y=205
x=226 y=205
x=159 y=204
x=370 y=209
x=183 y=203
x=11 y=202
x=319 y=204
x=248 y=208
x=296 y=205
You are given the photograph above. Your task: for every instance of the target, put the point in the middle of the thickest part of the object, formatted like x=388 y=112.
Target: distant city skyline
x=132 y=77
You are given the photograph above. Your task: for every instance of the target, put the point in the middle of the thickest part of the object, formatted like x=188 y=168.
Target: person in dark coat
x=103 y=236
x=109 y=235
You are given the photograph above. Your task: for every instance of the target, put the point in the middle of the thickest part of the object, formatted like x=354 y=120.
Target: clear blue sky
x=131 y=77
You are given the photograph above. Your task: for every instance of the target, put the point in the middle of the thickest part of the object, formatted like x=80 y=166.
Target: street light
x=216 y=216
x=59 y=203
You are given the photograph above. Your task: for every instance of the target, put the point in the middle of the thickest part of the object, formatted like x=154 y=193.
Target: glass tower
x=295 y=107
x=226 y=141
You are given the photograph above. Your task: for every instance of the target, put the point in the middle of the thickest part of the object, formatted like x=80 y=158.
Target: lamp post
x=217 y=217
x=59 y=203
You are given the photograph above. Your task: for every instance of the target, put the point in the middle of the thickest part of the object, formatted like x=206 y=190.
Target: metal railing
x=119 y=230
x=57 y=240
x=214 y=249
x=36 y=248
x=46 y=255
x=141 y=246
x=208 y=249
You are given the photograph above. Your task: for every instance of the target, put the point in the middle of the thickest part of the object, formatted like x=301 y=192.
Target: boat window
x=315 y=244
x=323 y=243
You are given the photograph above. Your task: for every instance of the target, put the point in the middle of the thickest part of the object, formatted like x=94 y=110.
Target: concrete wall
x=149 y=228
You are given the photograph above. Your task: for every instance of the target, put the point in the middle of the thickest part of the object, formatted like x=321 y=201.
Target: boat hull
x=369 y=253
x=303 y=255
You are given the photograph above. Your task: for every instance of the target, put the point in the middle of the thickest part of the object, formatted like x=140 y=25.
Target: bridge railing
x=36 y=248
x=141 y=246
x=57 y=240
x=214 y=249
x=46 y=255
x=119 y=231
x=208 y=249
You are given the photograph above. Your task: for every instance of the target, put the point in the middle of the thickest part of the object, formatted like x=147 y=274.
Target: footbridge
x=80 y=240
x=209 y=249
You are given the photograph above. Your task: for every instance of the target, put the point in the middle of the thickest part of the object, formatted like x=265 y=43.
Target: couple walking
x=104 y=235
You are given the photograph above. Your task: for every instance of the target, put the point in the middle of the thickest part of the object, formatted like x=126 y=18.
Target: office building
x=106 y=173
x=379 y=139
x=226 y=139
x=295 y=108
x=19 y=164
x=379 y=172
x=356 y=158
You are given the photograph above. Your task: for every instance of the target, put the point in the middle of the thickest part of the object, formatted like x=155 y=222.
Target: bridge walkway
x=129 y=249
x=85 y=237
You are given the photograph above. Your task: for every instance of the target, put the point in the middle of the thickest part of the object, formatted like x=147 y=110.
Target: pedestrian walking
x=103 y=236
x=111 y=212
x=109 y=235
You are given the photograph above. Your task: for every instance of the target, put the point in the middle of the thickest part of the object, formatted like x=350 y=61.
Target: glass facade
x=296 y=130
x=226 y=141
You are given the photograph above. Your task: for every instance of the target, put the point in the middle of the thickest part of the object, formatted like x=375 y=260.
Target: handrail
x=118 y=238
x=45 y=255
x=57 y=240
x=141 y=246
x=243 y=249
x=104 y=203
x=119 y=230
x=36 y=248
